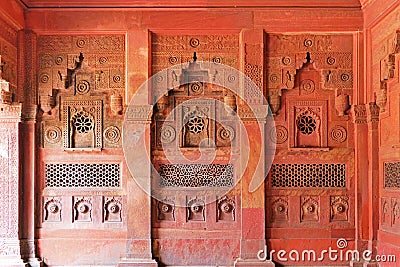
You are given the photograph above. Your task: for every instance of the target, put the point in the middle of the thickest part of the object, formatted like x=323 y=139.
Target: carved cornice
x=10 y=113
x=258 y=112
x=141 y=113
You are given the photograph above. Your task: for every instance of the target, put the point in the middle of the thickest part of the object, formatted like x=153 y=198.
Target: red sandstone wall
x=382 y=84
x=63 y=243
x=95 y=242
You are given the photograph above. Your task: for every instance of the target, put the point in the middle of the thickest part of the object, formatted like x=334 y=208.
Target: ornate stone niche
x=395 y=212
x=112 y=209
x=52 y=210
x=309 y=208
x=166 y=210
x=308 y=120
x=198 y=123
x=385 y=212
x=82 y=209
x=279 y=211
x=82 y=124
x=196 y=209
x=226 y=209
x=339 y=208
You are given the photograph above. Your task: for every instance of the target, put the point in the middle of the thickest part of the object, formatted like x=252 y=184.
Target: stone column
x=136 y=132
x=373 y=178
x=253 y=180
x=359 y=114
x=10 y=117
x=28 y=138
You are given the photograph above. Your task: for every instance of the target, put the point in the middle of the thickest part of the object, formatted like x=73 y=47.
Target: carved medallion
x=53 y=134
x=82 y=87
x=338 y=134
x=279 y=134
x=167 y=134
x=226 y=133
x=194 y=42
x=307 y=86
x=112 y=134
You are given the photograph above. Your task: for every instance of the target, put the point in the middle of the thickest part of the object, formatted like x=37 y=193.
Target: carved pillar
x=253 y=198
x=10 y=253
x=138 y=247
x=359 y=114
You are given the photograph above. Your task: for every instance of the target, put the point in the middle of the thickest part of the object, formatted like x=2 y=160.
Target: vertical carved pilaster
x=137 y=137
x=10 y=252
x=253 y=68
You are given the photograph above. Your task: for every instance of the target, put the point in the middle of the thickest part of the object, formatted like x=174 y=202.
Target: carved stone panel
x=308 y=175
x=104 y=62
x=168 y=50
x=82 y=175
x=392 y=174
x=9 y=181
x=196 y=175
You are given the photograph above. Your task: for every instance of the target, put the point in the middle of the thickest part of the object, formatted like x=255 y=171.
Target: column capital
x=373 y=115
x=359 y=113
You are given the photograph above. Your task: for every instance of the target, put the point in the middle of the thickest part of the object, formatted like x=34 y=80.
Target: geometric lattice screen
x=196 y=175
x=308 y=175
x=82 y=175
x=392 y=174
